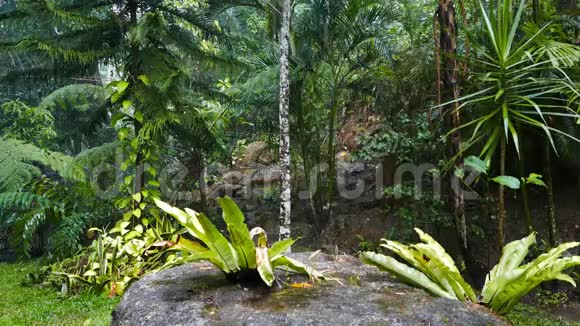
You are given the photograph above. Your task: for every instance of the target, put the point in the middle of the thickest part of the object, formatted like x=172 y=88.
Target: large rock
x=256 y=153
x=198 y=294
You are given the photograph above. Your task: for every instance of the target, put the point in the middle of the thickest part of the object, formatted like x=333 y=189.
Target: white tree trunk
x=285 y=194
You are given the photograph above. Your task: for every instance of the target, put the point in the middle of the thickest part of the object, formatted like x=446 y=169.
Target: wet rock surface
x=199 y=294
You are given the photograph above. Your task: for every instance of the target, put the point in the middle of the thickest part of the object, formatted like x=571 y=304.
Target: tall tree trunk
x=139 y=181
x=331 y=152
x=501 y=196
x=552 y=223
x=525 y=197
x=285 y=194
x=296 y=92
x=536 y=10
x=450 y=79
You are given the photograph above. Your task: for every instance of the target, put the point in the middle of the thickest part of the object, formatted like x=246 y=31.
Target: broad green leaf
x=536 y=179
x=192 y=246
x=476 y=164
x=138 y=115
x=122 y=86
x=90 y=273
x=189 y=221
x=115 y=97
x=506 y=270
x=449 y=273
x=298 y=267
x=404 y=273
x=508 y=283
x=239 y=233
x=144 y=79
x=508 y=181
x=264 y=267
x=123 y=133
x=218 y=243
x=280 y=247
x=127 y=104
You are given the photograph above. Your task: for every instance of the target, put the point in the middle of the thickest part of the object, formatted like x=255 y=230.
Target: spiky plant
x=239 y=257
x=509 y=281
x=430 y=268
x=521 y=80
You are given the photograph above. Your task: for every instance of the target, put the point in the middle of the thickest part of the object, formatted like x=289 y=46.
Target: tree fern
x=31 y=124
x=21 y=162
x=23 y=200
x=80 y=112
x=16 y=163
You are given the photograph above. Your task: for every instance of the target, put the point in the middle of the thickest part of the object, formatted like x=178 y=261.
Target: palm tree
x=337 y=46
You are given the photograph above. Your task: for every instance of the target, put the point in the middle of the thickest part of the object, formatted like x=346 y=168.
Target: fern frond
x=67 y=238
x=16 y=168
x=19 y=163
x=23 y=200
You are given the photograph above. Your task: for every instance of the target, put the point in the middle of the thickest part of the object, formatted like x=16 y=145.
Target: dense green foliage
x=112 y=112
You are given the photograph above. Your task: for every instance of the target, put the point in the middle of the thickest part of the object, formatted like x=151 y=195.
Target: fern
x=31 y=124
x=67 y=237
x=21 y=162
x=16 y=164
x=23 y=200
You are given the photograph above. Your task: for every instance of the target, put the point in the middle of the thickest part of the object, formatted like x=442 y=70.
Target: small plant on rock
x=433 y=270
x=509 y=281
x=239 y=257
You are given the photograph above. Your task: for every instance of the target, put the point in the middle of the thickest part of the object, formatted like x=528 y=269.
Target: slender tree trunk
x=331 y=179
x=201 y=182
x=450 y=79
x=139 y=164
x=501 y=196
x=297 y=100
x=285 y=194
x=525 y=198
x=536 y=10
x=552 y=223
x=139 y=181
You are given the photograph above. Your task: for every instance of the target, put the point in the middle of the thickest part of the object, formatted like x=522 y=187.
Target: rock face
x=198 y=294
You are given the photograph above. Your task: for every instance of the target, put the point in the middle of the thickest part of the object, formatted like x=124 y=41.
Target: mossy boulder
x=199 y=294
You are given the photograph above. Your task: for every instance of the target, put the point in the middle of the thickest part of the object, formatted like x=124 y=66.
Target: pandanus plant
x=240 y=258
x=430 y=268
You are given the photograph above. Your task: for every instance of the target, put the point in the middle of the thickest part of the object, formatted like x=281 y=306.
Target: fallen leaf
x=302 y=285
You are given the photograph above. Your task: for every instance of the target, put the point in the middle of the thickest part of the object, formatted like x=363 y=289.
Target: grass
x=527 y=315
x=34 y=305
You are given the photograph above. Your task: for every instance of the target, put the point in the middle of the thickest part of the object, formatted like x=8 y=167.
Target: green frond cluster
x=238 y=257
x=429 y=267
x=17 y=160
x=24 y=200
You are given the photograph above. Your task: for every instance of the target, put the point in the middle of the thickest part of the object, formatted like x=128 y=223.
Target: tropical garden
x=141 y=135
